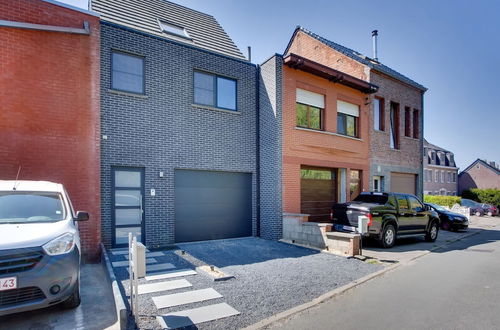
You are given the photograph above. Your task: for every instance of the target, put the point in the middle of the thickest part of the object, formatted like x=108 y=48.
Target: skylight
x=174 y=29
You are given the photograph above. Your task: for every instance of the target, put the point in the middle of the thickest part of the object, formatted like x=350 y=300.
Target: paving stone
x=163 y=286
x=119 y=252
x=195 y=316
x=171 y=274
x=184 y=298
x=150 y=254
x=125 y=263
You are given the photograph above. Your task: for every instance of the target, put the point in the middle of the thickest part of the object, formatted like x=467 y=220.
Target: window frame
x=381 y=114
x=321 y=117
x=416 y=123
x=356 y=124
x=123 y=52
x=215 y=90
x=395 y=129
x=408 y=121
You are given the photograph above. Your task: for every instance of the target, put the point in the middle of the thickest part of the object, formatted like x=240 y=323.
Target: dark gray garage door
x=212 y=205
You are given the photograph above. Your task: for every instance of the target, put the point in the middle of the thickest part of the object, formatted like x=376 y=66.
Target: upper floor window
x=436 y=176
x=215 y=91
x=378 y=114
x=127 y=72
x=347 y=118
x=309 y=108
x=407 y=121
x=394 y=131
x=416 y=121
x=454 y=177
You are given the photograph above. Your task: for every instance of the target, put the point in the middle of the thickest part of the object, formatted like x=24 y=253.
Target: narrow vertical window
x=407 y=121
x=355 y=185
x=416 y=121
x=378 y=114
x=394 y=142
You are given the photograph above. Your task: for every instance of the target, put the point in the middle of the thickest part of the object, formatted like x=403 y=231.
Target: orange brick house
x=324 y=134
x=49 y=92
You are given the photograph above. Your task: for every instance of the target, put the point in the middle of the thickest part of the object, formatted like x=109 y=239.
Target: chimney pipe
x=374 y=38
x=249 y=54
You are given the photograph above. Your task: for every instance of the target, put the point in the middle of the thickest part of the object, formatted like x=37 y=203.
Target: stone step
x=125 y=263
x=163 y=286
x=171 y=274
x=193 y=316
x=184 y=298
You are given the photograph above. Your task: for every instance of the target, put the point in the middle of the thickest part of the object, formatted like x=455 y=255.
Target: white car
x=39 y=247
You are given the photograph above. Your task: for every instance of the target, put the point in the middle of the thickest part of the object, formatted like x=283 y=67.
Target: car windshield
x=438 y=207
x=31 y=207
x=371 y=198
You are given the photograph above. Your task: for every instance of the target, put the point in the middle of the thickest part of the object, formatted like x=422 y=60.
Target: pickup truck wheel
x=388 y=237
x=432 y=233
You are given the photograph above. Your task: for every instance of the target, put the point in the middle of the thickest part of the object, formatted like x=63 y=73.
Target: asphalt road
x=457 y=287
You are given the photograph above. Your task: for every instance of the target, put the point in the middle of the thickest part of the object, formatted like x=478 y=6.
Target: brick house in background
x=49 y=92
x=179 y=127
x=395 y=123
x=480 y=174
x=440 y=171
x=323 y=122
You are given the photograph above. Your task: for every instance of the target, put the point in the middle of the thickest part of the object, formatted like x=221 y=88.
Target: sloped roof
x=495 y=170
x=144 y=15
x=433 y=146
x=371 y=63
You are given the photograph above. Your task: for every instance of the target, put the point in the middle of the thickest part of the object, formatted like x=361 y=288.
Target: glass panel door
x=127 y=205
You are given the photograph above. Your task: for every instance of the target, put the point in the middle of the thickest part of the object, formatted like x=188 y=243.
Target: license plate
x=8 y=283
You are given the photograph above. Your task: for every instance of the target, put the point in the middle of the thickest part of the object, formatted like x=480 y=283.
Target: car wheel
x=478 y=214
x=388 y=238
x=490 y=213
x=432 y=233
x=74 y=300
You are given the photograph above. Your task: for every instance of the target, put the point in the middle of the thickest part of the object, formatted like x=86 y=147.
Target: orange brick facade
x=49 y=118
x=320 y=148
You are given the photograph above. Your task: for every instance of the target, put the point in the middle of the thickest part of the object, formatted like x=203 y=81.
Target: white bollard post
x=130 y=272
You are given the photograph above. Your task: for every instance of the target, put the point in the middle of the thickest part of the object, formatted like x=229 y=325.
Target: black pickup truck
x=390 y=215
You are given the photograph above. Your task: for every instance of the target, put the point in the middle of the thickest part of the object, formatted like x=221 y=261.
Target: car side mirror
x=82 y=216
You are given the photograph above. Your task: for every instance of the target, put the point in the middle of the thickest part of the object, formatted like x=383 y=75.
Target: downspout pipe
x=257 y=144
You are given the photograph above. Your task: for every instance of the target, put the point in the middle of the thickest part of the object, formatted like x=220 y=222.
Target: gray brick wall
x=270 y=99
x=164 y=131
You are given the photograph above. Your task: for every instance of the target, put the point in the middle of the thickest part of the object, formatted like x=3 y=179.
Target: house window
x=347 y=118
x=127 y=72
x=214 y=91
x=416 y=126
x=355 y=184
x=442 y=177
x=173 y=29
x=378 y=114
x=454 y=177
x=309 y=109
x=436 y=179
x=448 y=177
x=394 y=143
x=407 y=121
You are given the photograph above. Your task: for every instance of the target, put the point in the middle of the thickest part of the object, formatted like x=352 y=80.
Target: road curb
x=121 y=309
x=338 y=291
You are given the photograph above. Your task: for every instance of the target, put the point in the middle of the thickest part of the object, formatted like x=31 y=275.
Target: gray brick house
x=440 y=171
x=179 y=128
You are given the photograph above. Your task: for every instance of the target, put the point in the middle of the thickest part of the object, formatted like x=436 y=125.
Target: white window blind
x=348 y=108
x=310 y=98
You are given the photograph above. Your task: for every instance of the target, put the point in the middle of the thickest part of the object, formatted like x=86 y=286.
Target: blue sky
x=451 y=47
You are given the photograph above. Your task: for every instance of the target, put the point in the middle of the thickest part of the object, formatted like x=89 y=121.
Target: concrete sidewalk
x=97 y=310
x=407 y=249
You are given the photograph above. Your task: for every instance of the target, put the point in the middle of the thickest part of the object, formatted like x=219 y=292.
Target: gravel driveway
x=270 y=277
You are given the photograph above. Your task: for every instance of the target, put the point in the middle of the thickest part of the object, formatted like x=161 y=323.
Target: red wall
x=49 y=106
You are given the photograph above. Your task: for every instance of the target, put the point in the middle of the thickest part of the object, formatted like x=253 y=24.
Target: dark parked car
x=490 y=210
x=475 y=208
x=450 y=220
x=390 y=215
